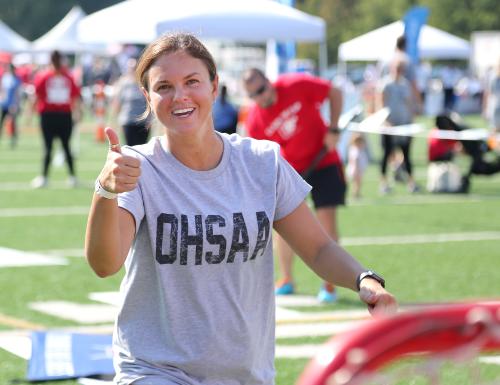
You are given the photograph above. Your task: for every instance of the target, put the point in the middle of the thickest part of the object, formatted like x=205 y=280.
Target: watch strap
x=369 y=274
x=101 y=191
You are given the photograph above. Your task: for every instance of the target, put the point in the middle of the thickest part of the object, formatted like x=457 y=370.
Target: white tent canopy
x=11 y=41
x=64 y=35
x=256 y=21
x=379 y=44
x=141 y=21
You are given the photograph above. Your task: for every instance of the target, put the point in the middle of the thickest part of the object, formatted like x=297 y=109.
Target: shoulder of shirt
x=246 y=143
x=144 y=151
x=292 y=78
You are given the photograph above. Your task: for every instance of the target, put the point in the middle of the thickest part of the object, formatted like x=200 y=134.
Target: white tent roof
x=11 y=41
x=141 y=21
x=64 y=35
x=379 y=44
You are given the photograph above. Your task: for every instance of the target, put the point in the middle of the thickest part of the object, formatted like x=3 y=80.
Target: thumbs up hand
x=120 y=172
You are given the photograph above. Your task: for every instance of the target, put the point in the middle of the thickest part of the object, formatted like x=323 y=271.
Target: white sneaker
x=385 y=189
x=39 y=182
x=73 y=182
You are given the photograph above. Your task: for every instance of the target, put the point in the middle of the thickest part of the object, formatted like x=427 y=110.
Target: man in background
x=288 y=112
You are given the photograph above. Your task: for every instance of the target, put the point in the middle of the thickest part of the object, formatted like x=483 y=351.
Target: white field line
x=55 y=185
x=424 y=200
x=81 y=313
x=422 y=238
x=354 y=241
x=16 y=343
x=35 y=168
x=18 y=258
x=64 y=252
x=43 y=211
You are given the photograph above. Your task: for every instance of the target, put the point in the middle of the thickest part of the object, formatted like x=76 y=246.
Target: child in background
x=357 y=162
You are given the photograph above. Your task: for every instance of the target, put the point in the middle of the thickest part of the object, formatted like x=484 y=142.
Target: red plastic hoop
x=429 y=331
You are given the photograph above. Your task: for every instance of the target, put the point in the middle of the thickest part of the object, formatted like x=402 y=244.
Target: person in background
x=450 y=75
x=423 y=75
x=396 y=94
x=409 y=71
x=129 y=104
x=491 y=100
x=190 y=215
x=357 y=162
x=57 y=100
x=483 y=160
x=10 y=101
x=288 y=112
x=225 y=114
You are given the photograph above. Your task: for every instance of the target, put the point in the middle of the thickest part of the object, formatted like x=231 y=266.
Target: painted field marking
x=43 y=211
x=16 y=343
x=16 y=258
x=16 y=168
x=53 y=185
x=425 y=200
x=108 y=297
x=81 y=313
x=64 y=252
x=422 y=238
x=355 y=241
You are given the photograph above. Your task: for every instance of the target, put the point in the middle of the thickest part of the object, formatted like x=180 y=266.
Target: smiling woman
x=191 y=220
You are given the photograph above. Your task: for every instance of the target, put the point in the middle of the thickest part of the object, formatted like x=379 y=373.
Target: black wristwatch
x=369 y=274
x=334 y=130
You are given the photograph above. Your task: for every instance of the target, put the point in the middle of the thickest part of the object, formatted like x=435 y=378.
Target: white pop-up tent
x=140 y=21
x=64 y=36
x=379 y=44
x=11 y=41
x=256 y=21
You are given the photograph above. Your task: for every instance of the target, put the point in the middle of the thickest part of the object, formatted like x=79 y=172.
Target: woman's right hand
x=120 y=172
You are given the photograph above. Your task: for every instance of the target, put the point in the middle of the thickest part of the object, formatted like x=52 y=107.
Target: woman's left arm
x=328 y=260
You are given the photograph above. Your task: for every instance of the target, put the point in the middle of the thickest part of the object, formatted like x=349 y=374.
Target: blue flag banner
x=414 y=19
x=62 y=355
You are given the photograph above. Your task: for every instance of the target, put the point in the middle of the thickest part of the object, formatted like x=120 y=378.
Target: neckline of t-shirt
x=208 y=174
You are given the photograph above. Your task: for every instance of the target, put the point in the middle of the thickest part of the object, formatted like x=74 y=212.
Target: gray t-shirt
x=132 y=101
x=398 y=98
x=198 y=293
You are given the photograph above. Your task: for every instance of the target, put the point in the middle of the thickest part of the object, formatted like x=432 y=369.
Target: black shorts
x=328 y=186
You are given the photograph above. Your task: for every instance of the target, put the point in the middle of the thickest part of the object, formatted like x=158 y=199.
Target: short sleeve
x=291 y=189
x=315 y=89
x=133 y=202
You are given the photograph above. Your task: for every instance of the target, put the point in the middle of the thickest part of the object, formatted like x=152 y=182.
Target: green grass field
x=432 y=268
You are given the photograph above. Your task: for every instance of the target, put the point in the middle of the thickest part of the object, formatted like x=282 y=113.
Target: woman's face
x=180 y=93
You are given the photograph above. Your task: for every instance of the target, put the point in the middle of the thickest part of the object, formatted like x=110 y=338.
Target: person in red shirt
x=288 y=112
x=441 y=150
x=57 y=98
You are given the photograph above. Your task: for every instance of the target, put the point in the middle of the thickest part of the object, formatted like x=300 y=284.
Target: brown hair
x=253 y=73
x=56 y=59
x=171 y=43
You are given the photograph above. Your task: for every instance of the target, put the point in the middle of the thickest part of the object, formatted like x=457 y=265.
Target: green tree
x=347 y=19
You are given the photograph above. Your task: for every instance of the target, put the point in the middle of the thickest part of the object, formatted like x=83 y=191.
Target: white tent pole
x=323 y=58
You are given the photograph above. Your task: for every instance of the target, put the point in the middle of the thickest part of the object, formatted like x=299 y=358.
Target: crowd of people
x=404 y=93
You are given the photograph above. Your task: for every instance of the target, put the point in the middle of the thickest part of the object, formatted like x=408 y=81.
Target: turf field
x=430 y=248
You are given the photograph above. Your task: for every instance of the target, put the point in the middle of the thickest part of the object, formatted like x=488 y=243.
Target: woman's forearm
x=102 y=240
